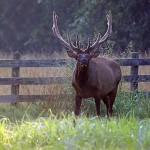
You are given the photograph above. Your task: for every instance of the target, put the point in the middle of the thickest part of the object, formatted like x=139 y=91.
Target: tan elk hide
x=95 y=77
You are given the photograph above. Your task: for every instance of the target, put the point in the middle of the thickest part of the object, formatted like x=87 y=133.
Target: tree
x=26 y=25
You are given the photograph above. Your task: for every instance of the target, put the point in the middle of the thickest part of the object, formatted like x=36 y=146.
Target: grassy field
x=32 y=126
x=89 y=133
x=50 y=125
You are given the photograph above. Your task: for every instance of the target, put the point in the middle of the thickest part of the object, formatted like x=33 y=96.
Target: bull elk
x=95 y=77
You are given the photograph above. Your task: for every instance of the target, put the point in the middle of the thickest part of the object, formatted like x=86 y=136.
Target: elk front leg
x=77 y=105
x=97 y=102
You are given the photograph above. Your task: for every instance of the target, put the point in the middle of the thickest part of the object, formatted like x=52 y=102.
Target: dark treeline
x=25 y=25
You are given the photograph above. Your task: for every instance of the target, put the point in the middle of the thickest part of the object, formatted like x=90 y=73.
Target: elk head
x=83 y=56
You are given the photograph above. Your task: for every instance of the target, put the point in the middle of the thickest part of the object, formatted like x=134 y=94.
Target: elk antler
x=57 y=34
x=100 y=40
x=76 y=48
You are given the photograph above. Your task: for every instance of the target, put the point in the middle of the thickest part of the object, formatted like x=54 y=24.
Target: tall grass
x=89 y=133
x=32 y=128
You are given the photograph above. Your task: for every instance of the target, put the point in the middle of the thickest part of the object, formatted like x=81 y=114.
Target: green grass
x=30 y=127
x=89 y=133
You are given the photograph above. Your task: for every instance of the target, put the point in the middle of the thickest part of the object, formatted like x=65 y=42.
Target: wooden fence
x=15 y=80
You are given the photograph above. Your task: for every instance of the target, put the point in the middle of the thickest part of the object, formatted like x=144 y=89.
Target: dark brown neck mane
x=81 y=75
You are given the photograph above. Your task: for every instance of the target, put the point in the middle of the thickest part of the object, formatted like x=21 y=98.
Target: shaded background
x=25 y=25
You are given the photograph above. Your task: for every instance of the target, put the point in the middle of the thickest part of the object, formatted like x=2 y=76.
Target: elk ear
x=71 y=54
x=95 y=54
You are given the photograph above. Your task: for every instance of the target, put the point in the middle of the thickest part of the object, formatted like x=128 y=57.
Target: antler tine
x=56 y=31
x=109 y=29
x=77 y=42
x=70 y=43
x=88 y=46
x=91 y=48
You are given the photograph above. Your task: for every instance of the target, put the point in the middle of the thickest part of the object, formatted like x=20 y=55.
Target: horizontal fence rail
x=61 y=80
x=34 y=81
x=65 y=62
x=15 y=80
x=36 y=63
x=133 y=62
x=28 y=98
x=136 y=78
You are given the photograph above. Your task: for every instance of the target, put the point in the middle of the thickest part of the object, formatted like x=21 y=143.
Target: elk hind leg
x=112 y=97
x=106 y=100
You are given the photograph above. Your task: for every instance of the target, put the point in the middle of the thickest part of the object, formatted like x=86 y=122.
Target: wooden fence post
x=134 y=72
x=15 y=73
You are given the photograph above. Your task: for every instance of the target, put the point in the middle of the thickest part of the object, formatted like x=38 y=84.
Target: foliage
x=26 y=26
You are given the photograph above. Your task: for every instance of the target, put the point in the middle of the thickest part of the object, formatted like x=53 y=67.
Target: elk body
x=95 y=77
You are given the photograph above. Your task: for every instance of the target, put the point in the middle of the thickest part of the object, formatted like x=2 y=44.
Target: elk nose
x=84 y=61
